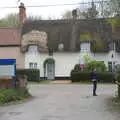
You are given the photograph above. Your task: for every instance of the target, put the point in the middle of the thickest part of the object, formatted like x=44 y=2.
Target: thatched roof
x=68 y=31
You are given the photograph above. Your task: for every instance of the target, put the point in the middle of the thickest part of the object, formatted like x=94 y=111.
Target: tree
x=110 y=8
x=91 y=11
x=34 y=18
x=81 y=15
x=114 y=12
x=67 y=15
x=113 y=7
x=87 y=59
x=115 y=22
x=11 y=20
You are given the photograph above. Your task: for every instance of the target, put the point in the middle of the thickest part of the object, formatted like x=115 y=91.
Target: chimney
x=22 y=14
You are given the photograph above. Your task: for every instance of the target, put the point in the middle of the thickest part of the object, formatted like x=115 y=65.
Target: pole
x=14 y=77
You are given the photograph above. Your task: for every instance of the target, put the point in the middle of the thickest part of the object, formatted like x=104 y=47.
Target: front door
x=50 y=71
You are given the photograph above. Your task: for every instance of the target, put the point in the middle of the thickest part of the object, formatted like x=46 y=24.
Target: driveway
x=64 y=102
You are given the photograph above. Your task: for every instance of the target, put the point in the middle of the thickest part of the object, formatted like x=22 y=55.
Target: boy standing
x=94 y=80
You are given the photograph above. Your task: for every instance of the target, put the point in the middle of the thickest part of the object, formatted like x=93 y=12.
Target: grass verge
x=113 y=104
x=13 y=96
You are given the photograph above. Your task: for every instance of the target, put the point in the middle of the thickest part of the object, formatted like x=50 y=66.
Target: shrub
x=32 y=74
x=77 y=67
x=99 y=46
x=117 y=68
x=106 y=77
x=92 y=65
x=78 y=76
x=11 y=95
x=118 y=77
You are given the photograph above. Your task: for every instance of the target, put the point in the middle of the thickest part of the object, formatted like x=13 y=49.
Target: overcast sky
x=45 y=12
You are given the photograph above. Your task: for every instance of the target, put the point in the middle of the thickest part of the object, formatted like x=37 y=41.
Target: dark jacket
x=94 y=76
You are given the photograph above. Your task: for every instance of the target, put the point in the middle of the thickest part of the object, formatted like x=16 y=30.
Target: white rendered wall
x=107 y=57
x=33 y=56
x=65 y=61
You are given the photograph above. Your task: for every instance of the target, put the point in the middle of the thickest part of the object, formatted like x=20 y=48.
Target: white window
x=30 y=65
x=33 y=49
x=33 y=65
x=61 y=47
x=85 y=47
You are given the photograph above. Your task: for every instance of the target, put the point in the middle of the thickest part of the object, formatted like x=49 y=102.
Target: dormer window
x=33 y=49
x=61 y=47
x=85 y=47
x=112 y=46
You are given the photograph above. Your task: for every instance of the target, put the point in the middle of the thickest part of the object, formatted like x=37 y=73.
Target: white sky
x=45 y=12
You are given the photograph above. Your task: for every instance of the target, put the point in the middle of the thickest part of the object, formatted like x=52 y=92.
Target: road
x=64 y=102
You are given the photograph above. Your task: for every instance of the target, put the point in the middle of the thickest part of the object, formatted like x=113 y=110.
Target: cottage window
x=33 y=49
x=110 y=66
x=61 y=47
x=33 y=65
x=85 y=47
x=30 y=65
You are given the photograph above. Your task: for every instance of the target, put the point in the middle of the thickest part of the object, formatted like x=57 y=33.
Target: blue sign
x=7 y=67
x=7 y=61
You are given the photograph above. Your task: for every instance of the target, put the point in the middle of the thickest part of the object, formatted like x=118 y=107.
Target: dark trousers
x=94 y=87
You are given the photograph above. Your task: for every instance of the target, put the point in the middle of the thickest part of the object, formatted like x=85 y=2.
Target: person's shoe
x=95 y=95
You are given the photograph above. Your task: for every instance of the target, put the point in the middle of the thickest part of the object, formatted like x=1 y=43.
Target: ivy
x=48 y=60
x=115 y=22
x=99 y=46
x=86 y=37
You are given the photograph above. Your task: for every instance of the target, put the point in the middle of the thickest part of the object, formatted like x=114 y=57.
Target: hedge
x=32 y=74
x=106 y=77
x=83 y=76
x=118 y=76
x=78 y=76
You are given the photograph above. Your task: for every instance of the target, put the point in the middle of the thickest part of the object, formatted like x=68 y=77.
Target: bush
x=117 y=68
x=11 y=95
x=106 y=77
x=32 y=74
x=78 y=76
x=92 y=65
x=77 y=67
x=118 y=79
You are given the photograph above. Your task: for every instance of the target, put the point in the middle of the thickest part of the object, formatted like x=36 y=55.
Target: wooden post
x=118 y=83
